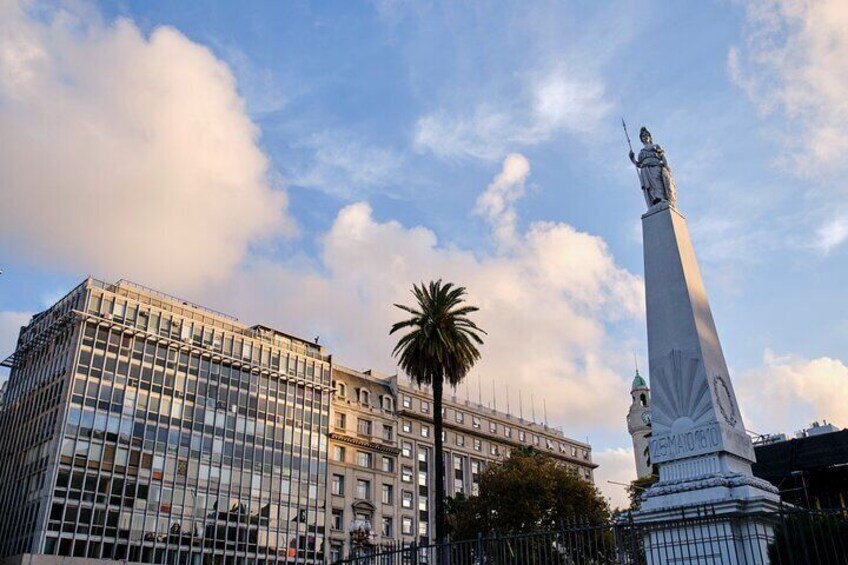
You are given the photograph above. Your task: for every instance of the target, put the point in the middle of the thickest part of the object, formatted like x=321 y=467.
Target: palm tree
x=441 y=345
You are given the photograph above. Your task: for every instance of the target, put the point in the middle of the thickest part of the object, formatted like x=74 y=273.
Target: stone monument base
x=725 y=518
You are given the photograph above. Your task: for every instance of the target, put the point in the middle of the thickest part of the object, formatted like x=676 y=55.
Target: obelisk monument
x=698 y=439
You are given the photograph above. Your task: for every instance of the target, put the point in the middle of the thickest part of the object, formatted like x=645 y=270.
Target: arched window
x=642 y=400
x=341 y=389
x=388 y=403
x=364 y=397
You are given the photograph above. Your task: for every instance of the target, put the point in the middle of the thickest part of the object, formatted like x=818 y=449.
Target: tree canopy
x=527 y=492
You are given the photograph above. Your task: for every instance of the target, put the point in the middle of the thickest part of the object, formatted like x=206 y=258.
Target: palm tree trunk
x=439 y=459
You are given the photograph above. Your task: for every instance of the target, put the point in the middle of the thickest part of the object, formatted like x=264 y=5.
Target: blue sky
x=313 y=160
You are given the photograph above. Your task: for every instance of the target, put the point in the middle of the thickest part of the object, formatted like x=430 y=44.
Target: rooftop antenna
x=520 y=406
x=479 y=391
x=508 y=412
x=545 y=408
x=494 y=396
x=636 y=363
x=533 y=406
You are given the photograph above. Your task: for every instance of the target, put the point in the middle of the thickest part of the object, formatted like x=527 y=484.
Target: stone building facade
x=399 y=472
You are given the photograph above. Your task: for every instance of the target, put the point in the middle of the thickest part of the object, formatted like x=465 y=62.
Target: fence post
x=414 y=548
x=480 y=547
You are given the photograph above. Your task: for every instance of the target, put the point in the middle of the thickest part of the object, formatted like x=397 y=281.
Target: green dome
x=638 y=381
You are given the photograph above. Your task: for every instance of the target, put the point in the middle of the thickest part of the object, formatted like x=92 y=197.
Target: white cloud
x=832 y=234
x=546 y=302
x=344 y=165
x=548 y=103
x=496 y=203
x=788 y=392
x=793 y=64
x=616 y=467
x=125 y=154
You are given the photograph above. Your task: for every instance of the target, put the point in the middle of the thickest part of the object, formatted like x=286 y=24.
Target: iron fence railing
x=790 y=536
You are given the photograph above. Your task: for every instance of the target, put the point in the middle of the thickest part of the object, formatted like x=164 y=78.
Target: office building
x=382 y=456
x=140 y=427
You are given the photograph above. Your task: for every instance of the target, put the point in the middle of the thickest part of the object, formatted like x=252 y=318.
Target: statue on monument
x=654 y=172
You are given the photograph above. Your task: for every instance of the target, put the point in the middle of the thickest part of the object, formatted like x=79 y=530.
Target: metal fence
x=789 y=536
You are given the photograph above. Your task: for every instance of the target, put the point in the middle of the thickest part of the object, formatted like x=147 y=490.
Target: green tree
x=529 y=491
x=440 y=346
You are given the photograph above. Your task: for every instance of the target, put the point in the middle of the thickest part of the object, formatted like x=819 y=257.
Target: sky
x=301 y=165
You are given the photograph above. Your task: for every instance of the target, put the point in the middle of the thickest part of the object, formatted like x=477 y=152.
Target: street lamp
x=360 y=535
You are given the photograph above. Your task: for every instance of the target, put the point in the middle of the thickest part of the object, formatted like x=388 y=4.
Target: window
x=335 y=552
x=338 y=453
x=407 y=427
x=422 y=528
x=406 y=499
x=341 y=389
x=406 y=525
x=388 y=494
x=507 y=431
x=406 y=473
x=363 y=426
x=585 y=454
x=493 y=427
x=493 y=449
x=549 y=444
x=521 y=435
x=387 y=527
x=341 y=420
x=587 y=473
x=460 y=417
x=573 y=451
x=338 y=485
x=363 y=489
x=535 y=439
x=388 y=403
x=425 y=430
x=475 y=421
x=406 y=449
x=425 y=406
x=407 y=401
x=363 y=459
x=337 y=520
x=478 y=445
x=422 y=503
x=460 y=440
x=364 y=397
x=388 y=464
x=388 y=432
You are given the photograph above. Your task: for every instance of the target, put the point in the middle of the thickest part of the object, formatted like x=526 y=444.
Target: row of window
x=364 y=426
x=476 y=423
x=364 y=459
x=363 y=396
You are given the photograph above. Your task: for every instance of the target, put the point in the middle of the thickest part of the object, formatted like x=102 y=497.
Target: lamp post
x=360 y=535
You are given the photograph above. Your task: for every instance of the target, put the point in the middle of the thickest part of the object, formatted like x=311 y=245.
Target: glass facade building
x=140 y=427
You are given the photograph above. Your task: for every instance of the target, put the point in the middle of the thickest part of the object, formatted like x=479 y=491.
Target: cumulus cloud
x=616 y=467
x=550 y=102
x=496 y=203
x=789 y=392
x=126 y=154
x=546 y=302
x=793 y=64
